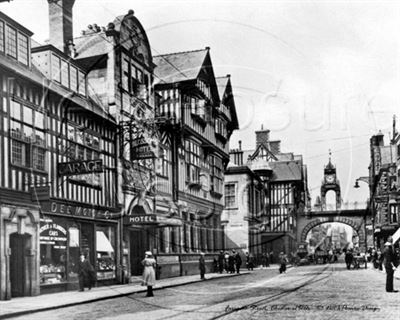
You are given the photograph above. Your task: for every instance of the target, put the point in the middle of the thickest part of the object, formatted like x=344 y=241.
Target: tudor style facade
x=95 y=163
x=196 y=116
x=281 y=200
x=48 y=217
x=173 y=143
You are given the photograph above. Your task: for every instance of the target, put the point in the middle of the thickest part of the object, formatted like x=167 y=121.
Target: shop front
x=145 y=230
x=69 y=230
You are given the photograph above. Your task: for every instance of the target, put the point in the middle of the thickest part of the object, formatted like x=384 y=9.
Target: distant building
x=284 y=176
x=384 y=186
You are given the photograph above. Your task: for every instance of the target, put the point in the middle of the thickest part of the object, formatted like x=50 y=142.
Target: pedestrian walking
x=231 y=262
x=348 y=258
x=283 y=262
x=86 y=273
x=149 y=275
x=390 y=263
x=215 y=265
x=226 y=261
x=202 y=266
x=264 y=260
x=238 y=262
x=249 y=261
x=380 y=260
x=221 y=261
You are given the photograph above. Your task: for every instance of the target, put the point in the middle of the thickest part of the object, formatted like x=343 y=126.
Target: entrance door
x=87 y=242
x=19 y=244
x=139 y=244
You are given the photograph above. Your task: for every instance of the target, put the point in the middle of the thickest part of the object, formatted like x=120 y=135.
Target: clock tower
x=330 y=182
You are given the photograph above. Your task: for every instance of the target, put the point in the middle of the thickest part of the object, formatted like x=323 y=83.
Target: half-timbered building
x=196 y=116
x=57 y=166
x=284 y=176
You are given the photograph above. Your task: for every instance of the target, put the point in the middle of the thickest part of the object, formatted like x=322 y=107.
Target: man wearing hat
x=202 y=266
x=390 y=263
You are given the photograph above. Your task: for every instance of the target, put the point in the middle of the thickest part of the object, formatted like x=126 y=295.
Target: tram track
x=262 y=302
x=258 y=303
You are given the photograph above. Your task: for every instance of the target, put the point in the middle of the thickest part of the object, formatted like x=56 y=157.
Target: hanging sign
x=79 y=167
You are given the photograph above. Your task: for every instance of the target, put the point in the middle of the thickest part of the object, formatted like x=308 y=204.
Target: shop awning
x=102 y=242
x=396 y=235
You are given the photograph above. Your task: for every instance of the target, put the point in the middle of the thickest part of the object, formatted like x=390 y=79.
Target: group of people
x=230 y=262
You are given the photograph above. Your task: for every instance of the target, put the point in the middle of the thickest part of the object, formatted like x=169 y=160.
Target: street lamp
x=363 y=179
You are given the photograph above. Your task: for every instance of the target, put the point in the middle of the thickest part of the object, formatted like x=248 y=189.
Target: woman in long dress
x=149 y=275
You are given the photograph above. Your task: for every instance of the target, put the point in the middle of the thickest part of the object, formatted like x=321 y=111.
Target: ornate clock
x=330 y=178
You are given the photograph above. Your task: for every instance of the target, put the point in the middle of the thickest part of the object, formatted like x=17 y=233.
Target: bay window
x=192 y=161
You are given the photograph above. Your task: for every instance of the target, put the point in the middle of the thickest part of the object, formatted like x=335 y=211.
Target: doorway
x=139 y=243
x=19 y=245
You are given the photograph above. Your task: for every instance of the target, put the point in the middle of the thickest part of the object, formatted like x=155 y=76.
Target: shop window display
x=53 y=253
x=105 y=244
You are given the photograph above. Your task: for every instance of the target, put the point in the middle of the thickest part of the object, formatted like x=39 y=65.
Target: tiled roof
x=179 y=66
x=286 y=170
x=94 y=44
x=285 y=156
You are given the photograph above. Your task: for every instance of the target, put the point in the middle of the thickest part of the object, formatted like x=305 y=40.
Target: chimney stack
x=60 y=24
x=262 y=137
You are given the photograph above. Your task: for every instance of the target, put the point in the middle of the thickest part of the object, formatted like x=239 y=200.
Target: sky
x=321 y=75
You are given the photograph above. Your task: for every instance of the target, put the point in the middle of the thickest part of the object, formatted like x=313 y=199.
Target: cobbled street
x=307 y=292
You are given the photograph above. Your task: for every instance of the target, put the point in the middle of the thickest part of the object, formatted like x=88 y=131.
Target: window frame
x=2 y=36
x=22 y=52
x=233 y=204
x=29 y=145
x=7 y=48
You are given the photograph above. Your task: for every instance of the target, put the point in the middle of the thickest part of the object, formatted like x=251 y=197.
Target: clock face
x=330 y=178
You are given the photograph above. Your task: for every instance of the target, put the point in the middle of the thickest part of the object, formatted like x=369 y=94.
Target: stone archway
x=356 y=224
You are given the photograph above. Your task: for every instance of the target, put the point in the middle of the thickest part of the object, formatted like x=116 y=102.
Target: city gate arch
x=353 y=218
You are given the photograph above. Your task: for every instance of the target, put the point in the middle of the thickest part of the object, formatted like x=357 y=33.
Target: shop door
x=139 y=244
x=19 y=243
x=87 y=242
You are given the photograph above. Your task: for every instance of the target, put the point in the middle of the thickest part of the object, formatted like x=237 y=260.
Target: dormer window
x=67 y=75
x=14 y=40
x=14 y=43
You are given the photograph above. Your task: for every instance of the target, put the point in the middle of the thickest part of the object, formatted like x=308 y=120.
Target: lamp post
x=371 y=210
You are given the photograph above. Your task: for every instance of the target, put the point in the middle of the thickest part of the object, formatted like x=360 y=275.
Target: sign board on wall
x=80 y=167
x=70 y=209
x=53 y=234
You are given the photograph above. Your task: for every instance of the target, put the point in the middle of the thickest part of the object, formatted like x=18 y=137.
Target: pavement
x=25 y=305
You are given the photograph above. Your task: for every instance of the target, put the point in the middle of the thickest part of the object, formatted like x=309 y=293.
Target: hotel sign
x=151 y=219
x=143 y=149
x=141 y=219
x=80 y=167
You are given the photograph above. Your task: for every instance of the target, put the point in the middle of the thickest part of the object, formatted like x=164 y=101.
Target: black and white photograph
x=199 y=159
